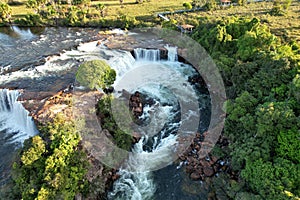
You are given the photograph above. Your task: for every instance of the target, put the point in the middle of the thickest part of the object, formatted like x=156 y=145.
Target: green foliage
x=126 y=22
x=35 y=151
x=95 y=74
x=210 y=5
x=101 y=8
x=241 y=2
x=261 y=74
x=273 y=179
x=81 y=2
x=198 y=3
x=52 y=167
x=36 y=4
x=122 y=138
x=30 y=20
x=280 y=7
x=5 y=12
x=288 y=145
x=171 y=24
x=187 y=5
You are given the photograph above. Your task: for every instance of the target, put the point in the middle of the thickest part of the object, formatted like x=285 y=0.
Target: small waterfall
x=167 y=84
x=14 y=118
x=147 y=54
x=172 y=53
x=122 y=63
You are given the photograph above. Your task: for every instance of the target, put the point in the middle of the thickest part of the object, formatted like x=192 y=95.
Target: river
x=44 y=59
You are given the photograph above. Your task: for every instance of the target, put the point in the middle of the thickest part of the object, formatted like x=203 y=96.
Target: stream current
x=37 y=59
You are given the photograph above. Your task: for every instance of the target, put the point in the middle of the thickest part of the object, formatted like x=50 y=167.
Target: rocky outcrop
x=136 y=105
x=201 y=168
x=44 y=108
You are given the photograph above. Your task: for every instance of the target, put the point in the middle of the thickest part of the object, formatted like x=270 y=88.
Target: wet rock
x=136 y=105
x=136 y=137
x=195 y=176
x=208 y=171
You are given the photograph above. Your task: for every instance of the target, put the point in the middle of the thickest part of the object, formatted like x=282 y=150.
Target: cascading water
x=15 y=127
x=147 y=54
x=172 y=53
x=21 y=68
x=14 y=117
x=136 y=182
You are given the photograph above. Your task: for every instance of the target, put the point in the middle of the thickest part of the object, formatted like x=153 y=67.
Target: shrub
x=187 y=5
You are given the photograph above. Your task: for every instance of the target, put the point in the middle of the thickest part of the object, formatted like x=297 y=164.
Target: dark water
x=23 y=49
x=26 y=49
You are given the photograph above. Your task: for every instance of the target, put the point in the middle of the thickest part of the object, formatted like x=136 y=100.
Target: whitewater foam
x=14 y=118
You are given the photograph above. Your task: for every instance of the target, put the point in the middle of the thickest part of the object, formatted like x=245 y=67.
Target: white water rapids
x=159 y=139
x=164 y=84
x=14 y=119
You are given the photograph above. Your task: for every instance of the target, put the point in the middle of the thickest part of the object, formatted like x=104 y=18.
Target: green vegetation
x=103 y=14
x=5 y=12
x=51 y=166
x=96 y=74
x=286 y=26
x=122 y=138
x=187 y=5
x=259 y=59
x=280 y=7
x=260 y=71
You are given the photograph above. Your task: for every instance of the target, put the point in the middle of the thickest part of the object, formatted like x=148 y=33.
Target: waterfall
x=154 y=54
x=172 y=53
x=122 y=63
x=147 y=54
x=14 y=118
x=140 y=185
x=166 y=82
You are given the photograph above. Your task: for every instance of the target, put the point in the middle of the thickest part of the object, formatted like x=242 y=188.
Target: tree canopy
x=96 y=74
x=261 y=74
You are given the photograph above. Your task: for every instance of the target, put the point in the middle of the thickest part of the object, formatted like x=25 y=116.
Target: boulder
x=208 y=171
x=195 y=176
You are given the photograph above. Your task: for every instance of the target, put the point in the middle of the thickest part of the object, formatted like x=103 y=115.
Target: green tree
x=280 y=7
x=101 y=8
x=275 y=180
x=96 y=74
x=35 y=152
x=187 y=5
x=36 y=4
x=53 y=167
x=5 y=12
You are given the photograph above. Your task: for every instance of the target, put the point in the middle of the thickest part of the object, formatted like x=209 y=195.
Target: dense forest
x=261 y=72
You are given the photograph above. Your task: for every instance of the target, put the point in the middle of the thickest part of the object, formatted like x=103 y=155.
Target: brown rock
x=189 y=169
x=195 y=176
x=208 y=171
x=214 y=159
x=136 y=137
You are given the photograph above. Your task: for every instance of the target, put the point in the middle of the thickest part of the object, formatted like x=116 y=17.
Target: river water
x=40 y=59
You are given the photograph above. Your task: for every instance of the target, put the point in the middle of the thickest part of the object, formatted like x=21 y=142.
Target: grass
x=114 y=8
x=287 y=26
x=145 y=9
x=19 y=9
